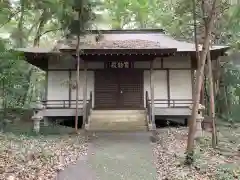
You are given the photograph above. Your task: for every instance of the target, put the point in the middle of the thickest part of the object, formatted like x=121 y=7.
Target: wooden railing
x=174 y=103
x=61 y=104
x=88 y=107
x=148 y=108
x=166 y=103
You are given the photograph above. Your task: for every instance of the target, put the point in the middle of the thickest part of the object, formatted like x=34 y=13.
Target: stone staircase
x=117 y=120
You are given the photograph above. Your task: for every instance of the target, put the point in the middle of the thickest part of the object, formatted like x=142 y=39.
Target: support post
x=85 y=94
x=152 y=95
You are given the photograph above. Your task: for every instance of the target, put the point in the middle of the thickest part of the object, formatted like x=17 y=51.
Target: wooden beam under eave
x=152 y=95
x=215 y=54
x=38 y=60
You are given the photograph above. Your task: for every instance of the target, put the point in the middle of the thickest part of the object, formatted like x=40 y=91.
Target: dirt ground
x=222 y=163
x=27 y=156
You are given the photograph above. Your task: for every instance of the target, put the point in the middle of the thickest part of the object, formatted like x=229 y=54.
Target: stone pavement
x=115 y=156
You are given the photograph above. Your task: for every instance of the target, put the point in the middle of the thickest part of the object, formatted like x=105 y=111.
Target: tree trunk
x=195 y=34
x=42 y=21
x=212 y=101
x=77 y=81
x=77 y=76
x=211 y=109
x=20 y=25
x=199 y=81
x=85 y=95
x=196 y=47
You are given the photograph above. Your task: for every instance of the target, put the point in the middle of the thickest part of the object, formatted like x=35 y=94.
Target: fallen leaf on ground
x=40 y=157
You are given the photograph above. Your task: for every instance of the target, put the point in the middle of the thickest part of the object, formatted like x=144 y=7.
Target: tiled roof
x=111 y=44
x=124 y=40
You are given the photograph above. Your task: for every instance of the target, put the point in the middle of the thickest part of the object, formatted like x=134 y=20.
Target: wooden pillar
x=202 y=95
x=46 y=86
x=193 y=83
x=69 y=88
x=85 y=94
x=152 y=94
x=168 y=88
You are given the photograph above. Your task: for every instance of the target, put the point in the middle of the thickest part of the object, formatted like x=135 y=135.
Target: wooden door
x=119 y=89
x=131 y=89
x=106 y=90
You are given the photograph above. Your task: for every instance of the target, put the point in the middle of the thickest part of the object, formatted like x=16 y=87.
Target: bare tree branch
x=50 y=30
x=10 y=18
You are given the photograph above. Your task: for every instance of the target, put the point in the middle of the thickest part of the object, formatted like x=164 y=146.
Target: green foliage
x=231 y=74
x=26 y=130
x=228 y=97
x=138 y=13
x=26 y=23
x=14 y=79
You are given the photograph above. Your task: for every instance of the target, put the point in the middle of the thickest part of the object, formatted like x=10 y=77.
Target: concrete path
x=115 y=156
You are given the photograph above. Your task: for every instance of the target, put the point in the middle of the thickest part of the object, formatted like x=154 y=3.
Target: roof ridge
x=111 y=31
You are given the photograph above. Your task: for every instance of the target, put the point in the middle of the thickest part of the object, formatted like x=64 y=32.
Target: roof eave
x=156 y=51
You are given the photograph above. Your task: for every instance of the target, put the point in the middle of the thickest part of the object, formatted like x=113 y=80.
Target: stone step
x=125 y=112
x=117 y=128
x=119 y=123
x=118 y=115
x=117 y=119
x=142 y=122
x=129 y=120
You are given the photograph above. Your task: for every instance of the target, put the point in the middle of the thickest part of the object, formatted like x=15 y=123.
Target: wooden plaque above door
x=118 y=65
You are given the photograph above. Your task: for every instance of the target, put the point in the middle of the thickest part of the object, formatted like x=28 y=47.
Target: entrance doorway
x=119 y=89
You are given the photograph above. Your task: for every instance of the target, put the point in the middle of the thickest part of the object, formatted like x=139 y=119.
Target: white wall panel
x=90 y=85
x=180 y=86
x=160 y=86
x=57 y=89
